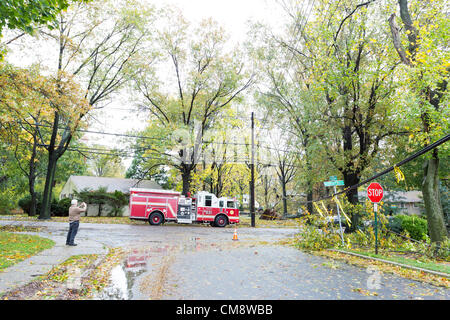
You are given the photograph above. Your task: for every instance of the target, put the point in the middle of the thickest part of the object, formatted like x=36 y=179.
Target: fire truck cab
x=159 y=206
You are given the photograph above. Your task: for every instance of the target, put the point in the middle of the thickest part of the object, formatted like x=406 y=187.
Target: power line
x=99 y=132
x=404 y=161
x=399 y=164
x=129 y=154
x=154 y=138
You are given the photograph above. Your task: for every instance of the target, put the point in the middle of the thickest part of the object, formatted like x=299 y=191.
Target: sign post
x=375 y=194
x=333 y=183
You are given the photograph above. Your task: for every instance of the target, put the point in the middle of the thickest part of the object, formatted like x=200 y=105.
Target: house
x=79 y=183
x=400 y=202
x=246 y=201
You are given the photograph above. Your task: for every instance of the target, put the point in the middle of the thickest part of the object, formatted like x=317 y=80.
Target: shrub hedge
x=57 y=208
x=416 y=227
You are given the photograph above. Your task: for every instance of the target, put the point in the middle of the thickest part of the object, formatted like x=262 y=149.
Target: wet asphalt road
x=193 y=262
x=275 y=272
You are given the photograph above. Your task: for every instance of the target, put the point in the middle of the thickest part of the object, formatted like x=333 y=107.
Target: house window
x=208 y=201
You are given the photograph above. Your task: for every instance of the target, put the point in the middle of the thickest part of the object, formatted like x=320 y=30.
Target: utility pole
x=252 y=171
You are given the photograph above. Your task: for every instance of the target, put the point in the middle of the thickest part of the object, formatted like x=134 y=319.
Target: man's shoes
x=72 y=244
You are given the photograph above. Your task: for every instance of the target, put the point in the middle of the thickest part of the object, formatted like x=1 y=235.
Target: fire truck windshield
x=230 y=204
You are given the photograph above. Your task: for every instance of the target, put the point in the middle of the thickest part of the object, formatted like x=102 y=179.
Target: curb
x=446 y=275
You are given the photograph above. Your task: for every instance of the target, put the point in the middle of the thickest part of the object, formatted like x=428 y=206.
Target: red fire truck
x=159 y=206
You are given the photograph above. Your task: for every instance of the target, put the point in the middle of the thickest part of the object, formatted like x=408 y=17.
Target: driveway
x=191 y=262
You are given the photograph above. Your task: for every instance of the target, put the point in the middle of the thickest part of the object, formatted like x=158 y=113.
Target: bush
x=57 y=208
x=415 y=226
x=395 y=225
x=25 y=203
x=7 y=202
x=60 y=208
x=116 y=200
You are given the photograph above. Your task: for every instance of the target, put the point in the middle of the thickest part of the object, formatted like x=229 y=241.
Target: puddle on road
x=125 y=277
x=121 y=283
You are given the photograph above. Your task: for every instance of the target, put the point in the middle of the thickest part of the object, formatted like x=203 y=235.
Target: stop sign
x=375 y=192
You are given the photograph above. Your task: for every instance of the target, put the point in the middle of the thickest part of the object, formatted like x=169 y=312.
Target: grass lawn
x=245 y=221
x=114 y=220
x=17 y=247
x=422 y=263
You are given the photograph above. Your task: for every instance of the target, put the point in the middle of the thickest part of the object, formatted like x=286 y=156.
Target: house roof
x=396 y=196
x=112 y=184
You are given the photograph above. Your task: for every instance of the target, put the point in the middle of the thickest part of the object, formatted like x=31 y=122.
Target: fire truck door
x=222 y=207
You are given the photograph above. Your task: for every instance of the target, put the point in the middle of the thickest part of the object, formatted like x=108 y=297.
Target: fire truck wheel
x=221 y=221
x=155 y=219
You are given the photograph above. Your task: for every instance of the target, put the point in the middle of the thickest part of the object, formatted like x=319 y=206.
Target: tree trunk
x=309 y=198
x=33 y=204
x=309 y=183
x=47 y=196
x=430 y=185
x=266 y=192
x=432 y=200
x=350 y=179
x=204 y=168
x=284 y=195
x=186 y=177
x=32 y=177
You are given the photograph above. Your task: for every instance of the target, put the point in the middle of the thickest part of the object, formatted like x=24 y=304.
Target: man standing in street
x=74 y=221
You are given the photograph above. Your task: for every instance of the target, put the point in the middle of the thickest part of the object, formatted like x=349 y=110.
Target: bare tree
x=95 y=44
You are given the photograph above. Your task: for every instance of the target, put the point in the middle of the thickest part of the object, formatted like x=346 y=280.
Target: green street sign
x=334 y=183
x=333 y=178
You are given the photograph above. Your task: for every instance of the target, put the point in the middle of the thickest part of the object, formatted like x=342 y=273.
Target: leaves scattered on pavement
x=397 y=270
x=62 y=283
x=54 y=284
x=20 y=228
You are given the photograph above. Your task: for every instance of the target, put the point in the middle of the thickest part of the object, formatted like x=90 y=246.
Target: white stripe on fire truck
x=170 y=207
x=154 y=204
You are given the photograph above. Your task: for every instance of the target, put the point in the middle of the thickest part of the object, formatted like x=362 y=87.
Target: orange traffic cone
x=235 y=237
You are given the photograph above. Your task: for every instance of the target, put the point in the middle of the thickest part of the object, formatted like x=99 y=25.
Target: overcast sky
x=232 y=15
